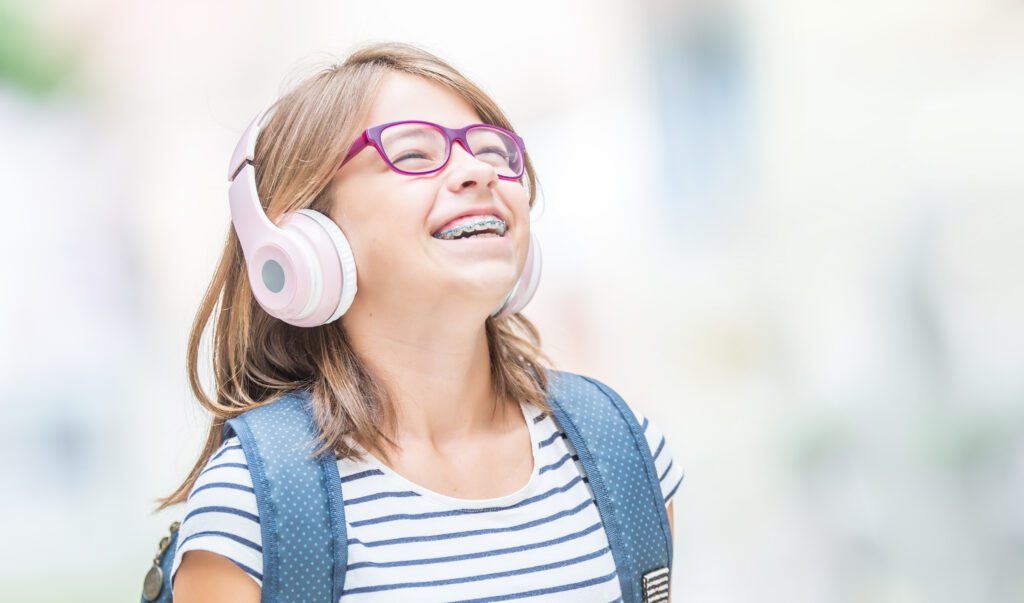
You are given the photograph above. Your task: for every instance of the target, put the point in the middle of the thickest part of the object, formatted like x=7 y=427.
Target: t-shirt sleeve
x=670 y=473
x=221 y=515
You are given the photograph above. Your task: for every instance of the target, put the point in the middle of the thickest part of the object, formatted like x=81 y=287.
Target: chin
x=483 y=281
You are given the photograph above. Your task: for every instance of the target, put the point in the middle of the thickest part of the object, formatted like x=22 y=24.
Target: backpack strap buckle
x=155 y=577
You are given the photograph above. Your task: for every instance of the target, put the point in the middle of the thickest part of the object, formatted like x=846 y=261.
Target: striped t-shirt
x=543 y=542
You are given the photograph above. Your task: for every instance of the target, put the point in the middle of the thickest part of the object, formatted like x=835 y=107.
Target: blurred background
x=805 y=263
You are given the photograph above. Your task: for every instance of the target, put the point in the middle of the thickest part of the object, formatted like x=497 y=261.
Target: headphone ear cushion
x=327 y=288
x=346 y=274
x=526 y=285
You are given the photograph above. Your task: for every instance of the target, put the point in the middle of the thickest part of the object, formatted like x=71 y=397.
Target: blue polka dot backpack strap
x=300 y=506
x=299 y=501
x=620 y=470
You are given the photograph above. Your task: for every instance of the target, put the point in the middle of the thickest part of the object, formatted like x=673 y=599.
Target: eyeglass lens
x=420 y=148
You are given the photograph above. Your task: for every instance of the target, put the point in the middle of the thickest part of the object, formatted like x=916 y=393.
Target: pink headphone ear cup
x=332 y=286
x=526 y=285
x=284 y=273
x=347 y=274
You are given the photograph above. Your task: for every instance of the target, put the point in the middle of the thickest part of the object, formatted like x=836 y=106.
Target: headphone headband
x=245 y=150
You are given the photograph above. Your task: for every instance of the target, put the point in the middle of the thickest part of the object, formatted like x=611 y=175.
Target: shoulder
x=587 y=394
x=579 y=389
x=583 y=389
x=670 y=471
x=221 y=512
x=283 y=408
x=221 y=515
x=280 y=427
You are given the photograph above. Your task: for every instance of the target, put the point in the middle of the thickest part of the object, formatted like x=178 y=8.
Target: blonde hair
x=257 y=358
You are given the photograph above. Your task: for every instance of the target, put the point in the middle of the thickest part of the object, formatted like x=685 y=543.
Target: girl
x=432 y=401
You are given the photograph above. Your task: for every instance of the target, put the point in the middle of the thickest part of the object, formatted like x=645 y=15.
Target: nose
x=465 y=169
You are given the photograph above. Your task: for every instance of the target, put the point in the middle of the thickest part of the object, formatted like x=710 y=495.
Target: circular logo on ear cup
x=273 y=276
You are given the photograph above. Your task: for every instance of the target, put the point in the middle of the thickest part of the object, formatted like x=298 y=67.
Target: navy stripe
x=545 y=591
x=559 y=462
x=433 y=537
x=221 y=485
x=662 y=478
x=660 y=446
x=539 y=418
x=504 y=551
x=645 y=425
x=550 y=439
x=674 y=488
x=217 y=456
x=491 y=576
x=379 y=495
x=453 y=512
x=249 y=570
x=230 y=510
x=234 y=537
x=239 y=465
x=360 y=475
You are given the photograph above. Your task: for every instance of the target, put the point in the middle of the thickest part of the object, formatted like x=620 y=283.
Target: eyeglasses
x=421 y=147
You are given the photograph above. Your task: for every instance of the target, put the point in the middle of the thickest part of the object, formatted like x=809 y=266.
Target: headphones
x=301 y=270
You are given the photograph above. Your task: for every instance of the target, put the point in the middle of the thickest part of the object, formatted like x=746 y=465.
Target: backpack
x=304 y=532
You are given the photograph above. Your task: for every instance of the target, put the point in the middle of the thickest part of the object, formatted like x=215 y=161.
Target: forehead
x=405 y=96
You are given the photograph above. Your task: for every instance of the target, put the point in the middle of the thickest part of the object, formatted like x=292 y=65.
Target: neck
x=438 y=370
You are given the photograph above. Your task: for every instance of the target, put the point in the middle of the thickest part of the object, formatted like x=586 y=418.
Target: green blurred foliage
x=29 y=61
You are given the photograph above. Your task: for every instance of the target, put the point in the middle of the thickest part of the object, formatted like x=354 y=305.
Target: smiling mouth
x=485 y=229
x=474 y=237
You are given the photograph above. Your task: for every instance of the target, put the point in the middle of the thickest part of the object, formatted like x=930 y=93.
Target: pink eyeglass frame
x=371 y=137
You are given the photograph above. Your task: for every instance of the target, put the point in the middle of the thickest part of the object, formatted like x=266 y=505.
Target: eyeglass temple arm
x=357 y=146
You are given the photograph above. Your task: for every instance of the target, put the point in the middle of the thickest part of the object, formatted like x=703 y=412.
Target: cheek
x=392 y=241
x=383 y=218
x=519 y=201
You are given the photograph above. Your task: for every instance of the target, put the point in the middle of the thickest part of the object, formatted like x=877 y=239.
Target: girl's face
x=389 y=218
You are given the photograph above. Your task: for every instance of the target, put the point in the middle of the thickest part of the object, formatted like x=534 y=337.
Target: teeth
x=487 y=223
